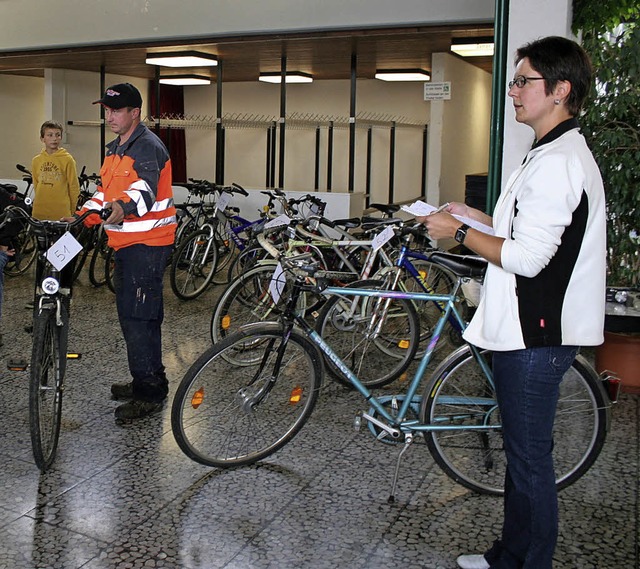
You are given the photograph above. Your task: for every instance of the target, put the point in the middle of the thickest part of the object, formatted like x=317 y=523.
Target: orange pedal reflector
x=296 y=395
x=74 y=356
x=404 y=344
x=226 y=322
x=197 y=398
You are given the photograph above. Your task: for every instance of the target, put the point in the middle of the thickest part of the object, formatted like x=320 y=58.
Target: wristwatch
x=461 y=233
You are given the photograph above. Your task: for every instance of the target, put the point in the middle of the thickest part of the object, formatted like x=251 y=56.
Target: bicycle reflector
x=226 y=322
x=296 y=395
x=197 y=398
x=612 y=384
x=17 y=365
x=403 y=344
x=73 y=356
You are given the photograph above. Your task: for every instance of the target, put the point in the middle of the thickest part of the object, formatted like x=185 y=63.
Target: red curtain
x=171 y=106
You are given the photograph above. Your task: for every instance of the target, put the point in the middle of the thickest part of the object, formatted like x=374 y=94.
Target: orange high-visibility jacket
x=138 y=176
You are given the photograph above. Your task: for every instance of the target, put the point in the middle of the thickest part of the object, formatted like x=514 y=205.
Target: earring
x=556 y=101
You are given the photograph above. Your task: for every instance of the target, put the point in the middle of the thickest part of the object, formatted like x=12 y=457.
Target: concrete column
x=55 y=97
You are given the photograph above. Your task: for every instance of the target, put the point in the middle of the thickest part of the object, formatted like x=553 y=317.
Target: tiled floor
x=127 y=497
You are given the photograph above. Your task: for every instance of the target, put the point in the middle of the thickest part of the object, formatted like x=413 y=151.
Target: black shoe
x=136 y=409
x=122 y=391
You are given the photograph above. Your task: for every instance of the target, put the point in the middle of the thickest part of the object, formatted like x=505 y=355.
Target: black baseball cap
x=120 y=96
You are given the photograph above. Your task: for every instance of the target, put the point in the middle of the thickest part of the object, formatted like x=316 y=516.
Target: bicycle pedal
x=18 y=364
x=73 y=356
x=357 y=422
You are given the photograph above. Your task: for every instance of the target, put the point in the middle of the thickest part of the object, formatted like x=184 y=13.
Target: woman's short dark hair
x=560 y=59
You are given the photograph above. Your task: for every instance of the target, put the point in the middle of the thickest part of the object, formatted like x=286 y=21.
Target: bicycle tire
x=48 y=364
x=376 y=360
x=246 y=300
x=212 y=418
x=26 y=250
x=194 y=265
x=458 y=392
x=110 y=269
x=98 y=264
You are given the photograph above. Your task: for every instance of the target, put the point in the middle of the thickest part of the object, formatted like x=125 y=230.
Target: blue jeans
x=527 y=387
x=138 y=282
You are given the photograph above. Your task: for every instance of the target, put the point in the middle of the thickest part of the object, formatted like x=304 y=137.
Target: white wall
x=550 y=17
x=29 y=24
x=246 y=148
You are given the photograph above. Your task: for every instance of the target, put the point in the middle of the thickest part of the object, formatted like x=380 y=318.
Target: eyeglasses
x=520 y=81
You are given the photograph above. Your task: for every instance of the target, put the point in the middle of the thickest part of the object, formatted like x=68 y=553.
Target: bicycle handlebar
x=42 y=224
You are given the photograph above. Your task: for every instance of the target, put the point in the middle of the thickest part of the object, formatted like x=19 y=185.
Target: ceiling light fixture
x=182 y=59
x=185 y=80
x=472 y=47
x=291 y=77
x=402 y=75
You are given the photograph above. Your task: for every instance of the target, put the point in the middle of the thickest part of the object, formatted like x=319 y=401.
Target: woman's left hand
x=440 y=225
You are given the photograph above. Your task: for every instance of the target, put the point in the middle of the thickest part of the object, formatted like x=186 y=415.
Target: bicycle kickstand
x=407 y=443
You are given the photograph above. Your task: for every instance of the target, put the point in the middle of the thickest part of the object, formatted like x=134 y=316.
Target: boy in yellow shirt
x=55 y=178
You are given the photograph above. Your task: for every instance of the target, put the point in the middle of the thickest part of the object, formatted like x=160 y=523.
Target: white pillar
x=528 y=21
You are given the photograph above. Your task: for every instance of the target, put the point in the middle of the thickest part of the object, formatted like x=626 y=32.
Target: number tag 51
x=63 y=251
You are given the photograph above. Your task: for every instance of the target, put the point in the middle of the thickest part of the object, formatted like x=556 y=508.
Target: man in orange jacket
x=136 y=183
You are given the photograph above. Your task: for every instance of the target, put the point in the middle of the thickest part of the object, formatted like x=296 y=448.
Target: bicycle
x=50 y=331
x=249 y=395
x=24 y=243
x=195 y=261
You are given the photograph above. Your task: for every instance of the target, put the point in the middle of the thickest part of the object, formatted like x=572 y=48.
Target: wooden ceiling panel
x=326 y=55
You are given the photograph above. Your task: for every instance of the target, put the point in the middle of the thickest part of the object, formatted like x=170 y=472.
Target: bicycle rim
x=193 y=266
x=48 y=361
x=460 y=395
x=376 y=356
x=228 y=412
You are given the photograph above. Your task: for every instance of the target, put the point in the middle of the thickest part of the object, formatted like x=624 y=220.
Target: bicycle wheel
x=98 y=264
x=247 y=396
x=246 y=260
x=376 y=341
x=459 y=394
x=48 y=364
x=246 y=300
x=26 y=249
x=194 y=265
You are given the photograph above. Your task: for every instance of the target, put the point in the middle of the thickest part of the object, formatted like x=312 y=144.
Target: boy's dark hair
x=50 y=124
x=560 y=59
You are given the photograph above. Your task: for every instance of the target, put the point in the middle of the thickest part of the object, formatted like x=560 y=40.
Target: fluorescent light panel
x=182 y=59
x=185 y=80
x=291 y=77
x=402 y=75
x=473 y=47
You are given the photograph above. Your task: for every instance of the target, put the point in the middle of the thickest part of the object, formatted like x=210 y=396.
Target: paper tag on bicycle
x=282 y=219
x=63 y=251
x=382 y=237
x=276 y=286
x=223 y=201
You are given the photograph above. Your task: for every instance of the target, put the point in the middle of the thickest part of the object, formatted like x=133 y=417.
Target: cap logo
x=112 y=93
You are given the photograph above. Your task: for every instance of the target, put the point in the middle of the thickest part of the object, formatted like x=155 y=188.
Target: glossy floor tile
x=126 y=497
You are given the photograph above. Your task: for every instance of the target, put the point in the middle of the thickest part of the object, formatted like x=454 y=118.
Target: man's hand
x=117 y=214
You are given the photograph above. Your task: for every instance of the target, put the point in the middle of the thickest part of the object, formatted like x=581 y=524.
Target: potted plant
x=611 y=123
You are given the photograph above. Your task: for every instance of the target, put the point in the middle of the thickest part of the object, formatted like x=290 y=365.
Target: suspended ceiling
x=325 y=55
